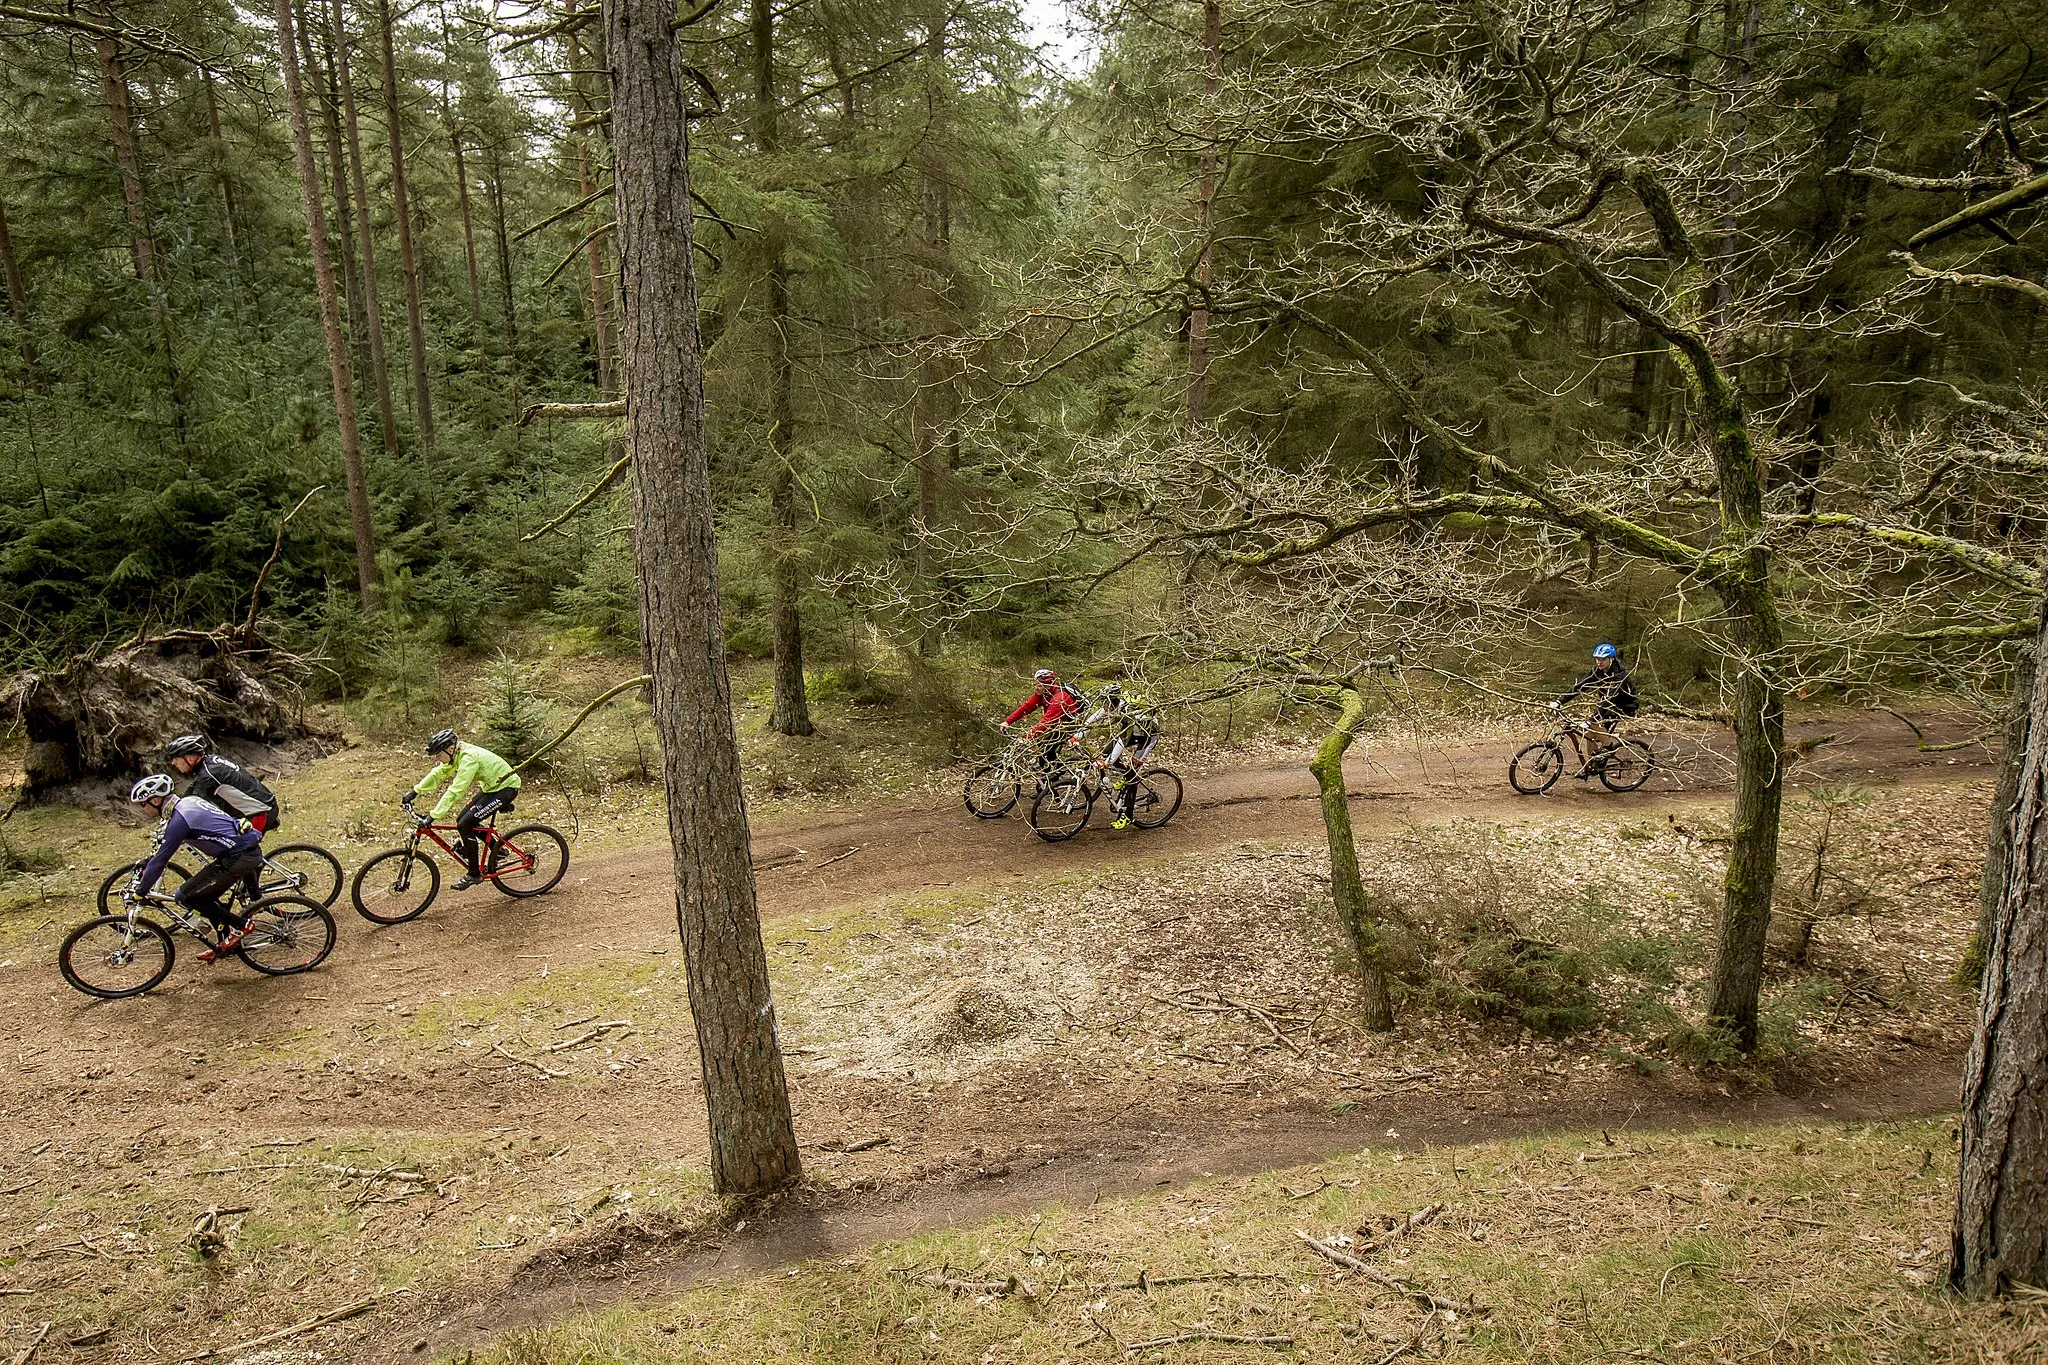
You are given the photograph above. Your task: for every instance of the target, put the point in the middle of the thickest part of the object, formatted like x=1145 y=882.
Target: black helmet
x=186 y=746
x=439 y=740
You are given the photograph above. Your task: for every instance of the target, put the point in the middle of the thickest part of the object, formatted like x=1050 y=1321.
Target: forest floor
x=435 y=1131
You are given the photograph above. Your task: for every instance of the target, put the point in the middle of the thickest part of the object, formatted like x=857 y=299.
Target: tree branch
x=1989 y=563
x=574 y=412
x=2027 y=288
x=583 y=715
x=597 y=490
x=1983 y=211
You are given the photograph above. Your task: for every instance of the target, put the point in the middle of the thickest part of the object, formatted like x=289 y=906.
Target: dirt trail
x=1134 y=1157
x=333 y=1052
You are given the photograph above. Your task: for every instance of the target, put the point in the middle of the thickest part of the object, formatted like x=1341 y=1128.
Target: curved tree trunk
x=753 y=1141
x=1347 y=887
x=2001 y=1228
x=1750 y=882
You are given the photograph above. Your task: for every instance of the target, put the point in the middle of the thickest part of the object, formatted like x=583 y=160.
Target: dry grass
x=1794 y=1243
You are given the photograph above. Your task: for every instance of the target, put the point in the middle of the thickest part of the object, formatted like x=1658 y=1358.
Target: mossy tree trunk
x=1347 y=886
x=2001 y=1227
x=2005 y=792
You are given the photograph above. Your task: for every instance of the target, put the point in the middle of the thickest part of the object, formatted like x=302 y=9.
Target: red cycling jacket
x=1059 y=705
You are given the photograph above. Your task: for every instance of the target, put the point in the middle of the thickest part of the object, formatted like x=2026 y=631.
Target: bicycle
x=1066 y=800
x=115 y=956
x=289 y=870
x=399 y=884
x=994 y=788
x=1535 y=769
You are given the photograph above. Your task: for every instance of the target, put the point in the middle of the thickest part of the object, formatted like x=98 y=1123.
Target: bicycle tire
x=991 y=791
x=537 y=840
x=1536 y=768
x=1635 y=763
x=317 y=871
x=299 y=925
x=403 y=867
x=1152 y=783
x=70 y=957
x=175 y=876
x=1058 y=801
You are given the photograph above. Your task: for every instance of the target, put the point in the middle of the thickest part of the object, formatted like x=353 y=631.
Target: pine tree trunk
x=330 y=314
x=337 y=174
x=373 y=311
x=2005 y=794
x=10 y=273
x=1347 y=887
x=217 y=152
x=476 y=306
x=114 y=86
x=2001 y=1227
x=408 y=262
x=791 y=714
x=935 y=234
x=584 y=112
x=753 y=1141
x=1198 y=316
x=508 y=307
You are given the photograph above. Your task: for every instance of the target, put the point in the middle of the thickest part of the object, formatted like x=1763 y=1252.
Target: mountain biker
x=235 y=850
x=224 y=783
x=1614 y=699
x=497 y=788
x=1061 y=703
x=1133 y=736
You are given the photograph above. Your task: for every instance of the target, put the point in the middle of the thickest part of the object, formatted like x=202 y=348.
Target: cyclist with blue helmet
x=1614 y=699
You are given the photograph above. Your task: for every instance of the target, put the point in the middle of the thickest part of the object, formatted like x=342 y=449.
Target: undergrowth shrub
x=18 y=858
x=516 y=718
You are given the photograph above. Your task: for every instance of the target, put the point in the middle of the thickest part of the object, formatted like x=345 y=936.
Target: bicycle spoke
x=112 y=957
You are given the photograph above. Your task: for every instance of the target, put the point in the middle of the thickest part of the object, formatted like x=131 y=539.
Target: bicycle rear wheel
x=109 y=958
x=175 y=876
x=1628 y=766
x=1535 y=769
x=1061 y=808
x=528 y=861
x=991 y=791
x=1154 y=797
x=300 y=870
x=287 y=934
x=395 y=887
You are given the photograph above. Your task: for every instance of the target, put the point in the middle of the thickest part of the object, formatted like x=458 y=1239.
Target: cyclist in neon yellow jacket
x=468 y=764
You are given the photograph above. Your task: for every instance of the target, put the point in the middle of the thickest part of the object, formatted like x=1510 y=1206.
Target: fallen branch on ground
x=340 y=1314
x=589 y=1037
x=27 y=1353
x=842 y=857
x=1402 y=1227
x=1010 y=1286
x=1399 y=1283
x=546 y=1071
x=1240 y=1338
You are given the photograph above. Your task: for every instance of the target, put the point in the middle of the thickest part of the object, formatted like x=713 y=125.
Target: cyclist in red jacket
x=1062 y=705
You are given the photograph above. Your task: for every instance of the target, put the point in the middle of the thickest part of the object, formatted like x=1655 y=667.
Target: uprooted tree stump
x=107 y=716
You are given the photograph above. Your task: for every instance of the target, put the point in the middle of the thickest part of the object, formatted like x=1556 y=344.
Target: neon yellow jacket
x=473 y=763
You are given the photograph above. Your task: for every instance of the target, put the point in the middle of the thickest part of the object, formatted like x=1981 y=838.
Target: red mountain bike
x=399 y=885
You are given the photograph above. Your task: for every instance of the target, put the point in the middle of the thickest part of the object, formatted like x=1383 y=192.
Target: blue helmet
x=1606 y=652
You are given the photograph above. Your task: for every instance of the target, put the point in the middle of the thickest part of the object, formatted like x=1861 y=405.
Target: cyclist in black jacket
x=1614 y=699
x=226 y=784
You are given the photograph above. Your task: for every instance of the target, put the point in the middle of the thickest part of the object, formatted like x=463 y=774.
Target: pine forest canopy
x=938 y=280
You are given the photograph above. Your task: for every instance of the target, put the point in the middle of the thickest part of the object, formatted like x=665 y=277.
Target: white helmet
x=150 y=788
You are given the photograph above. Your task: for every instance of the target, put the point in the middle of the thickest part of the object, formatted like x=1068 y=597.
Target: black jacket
x=1613 y=690
x=231 y=788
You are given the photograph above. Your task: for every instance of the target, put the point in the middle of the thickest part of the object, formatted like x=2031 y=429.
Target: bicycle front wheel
x=528 y=861
x=394 y=887
x=287 y=934
x=1535 y=769
x=175 y=876
x=991 y=791
x=1061 y=808
x=1154 y=797
x=113 y=959
x=300 y=870
x=1628 y=766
